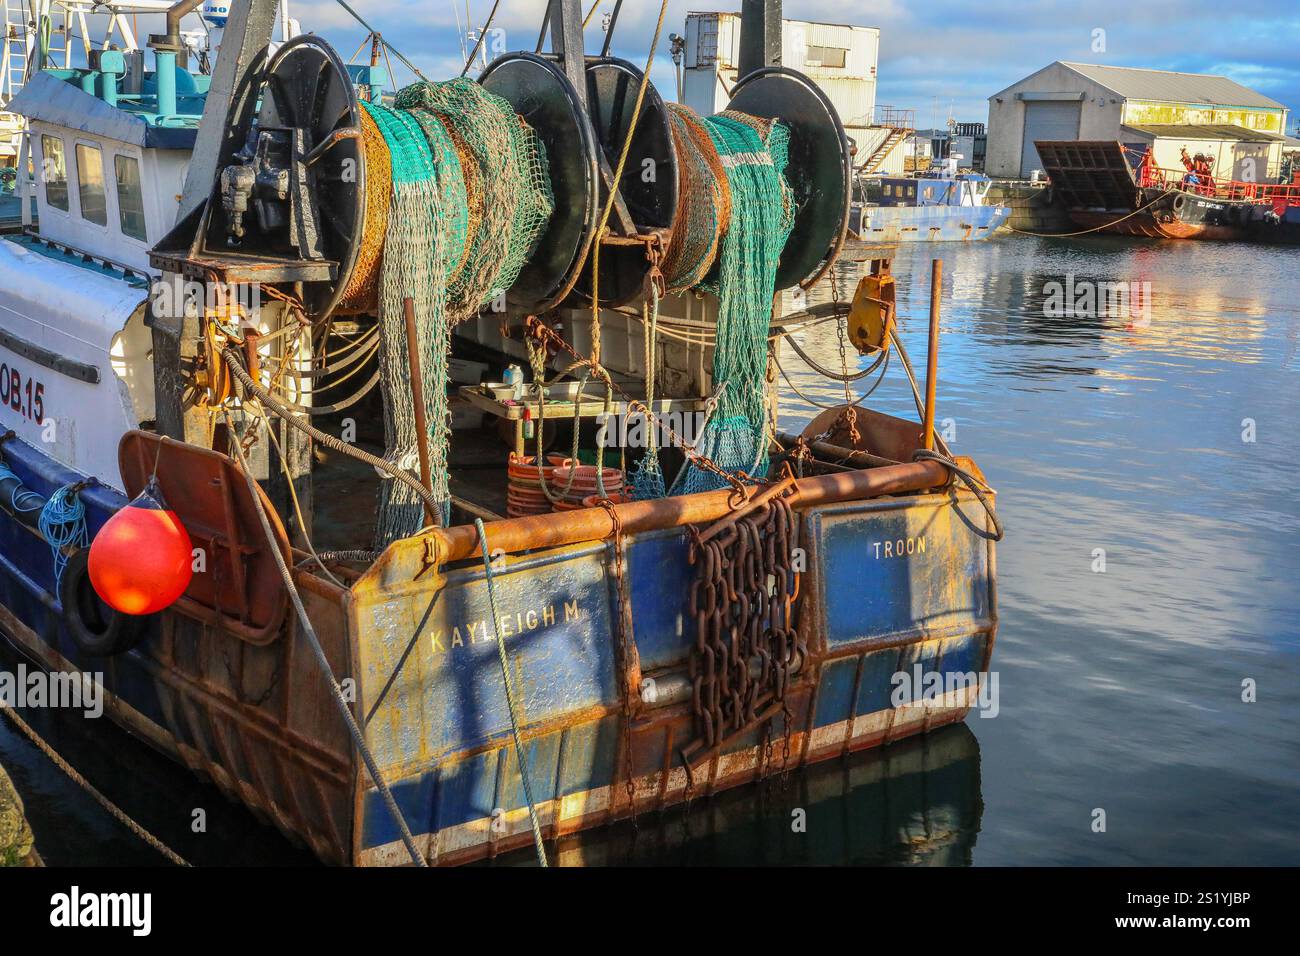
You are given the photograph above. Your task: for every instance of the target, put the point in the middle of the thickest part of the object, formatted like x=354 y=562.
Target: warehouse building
x=1242 y=130
x=839 y=58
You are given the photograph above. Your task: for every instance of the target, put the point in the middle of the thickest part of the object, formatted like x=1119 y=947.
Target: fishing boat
x=939 y=207
x=1111 y=188
x=235 y=352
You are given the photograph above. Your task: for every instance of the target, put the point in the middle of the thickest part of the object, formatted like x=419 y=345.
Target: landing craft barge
x=529 y=676
x=1108 y=188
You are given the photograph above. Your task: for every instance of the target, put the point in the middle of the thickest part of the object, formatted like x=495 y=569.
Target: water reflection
x=916 y=802
x=73 y=830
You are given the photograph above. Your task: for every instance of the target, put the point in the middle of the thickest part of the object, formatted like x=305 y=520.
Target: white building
x=1165 y=112
x=839 y=58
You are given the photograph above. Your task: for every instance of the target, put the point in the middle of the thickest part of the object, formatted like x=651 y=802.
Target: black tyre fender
x=1180 y=204
x=97 y=629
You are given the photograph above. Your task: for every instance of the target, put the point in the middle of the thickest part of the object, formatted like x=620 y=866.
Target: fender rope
x=113 y=809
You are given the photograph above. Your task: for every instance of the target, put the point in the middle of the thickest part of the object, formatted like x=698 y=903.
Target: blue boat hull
x=894 y=586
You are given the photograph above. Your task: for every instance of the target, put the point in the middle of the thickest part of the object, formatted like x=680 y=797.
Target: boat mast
x=760 y=35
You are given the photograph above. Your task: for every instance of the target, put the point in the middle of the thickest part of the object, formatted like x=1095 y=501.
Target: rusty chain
x=747 y=648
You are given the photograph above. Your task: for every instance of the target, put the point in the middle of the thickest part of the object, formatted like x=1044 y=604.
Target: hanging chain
x=747 y=648
x=849 y=416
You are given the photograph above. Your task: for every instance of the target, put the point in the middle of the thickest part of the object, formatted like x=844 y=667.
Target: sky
x=939 y=57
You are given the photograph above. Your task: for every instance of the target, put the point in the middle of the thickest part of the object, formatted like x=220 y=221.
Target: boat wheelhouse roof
x=55 y=96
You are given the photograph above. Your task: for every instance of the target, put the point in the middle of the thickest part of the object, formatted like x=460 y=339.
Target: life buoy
x=94 y=627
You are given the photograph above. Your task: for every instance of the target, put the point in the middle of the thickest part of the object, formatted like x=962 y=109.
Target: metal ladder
x=19 y=37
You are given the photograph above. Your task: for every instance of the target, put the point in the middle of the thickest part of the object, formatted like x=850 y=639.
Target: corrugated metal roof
x=1224 y=131
x=1135 y=84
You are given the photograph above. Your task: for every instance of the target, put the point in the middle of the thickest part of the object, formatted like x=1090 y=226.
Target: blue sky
x=958 y=53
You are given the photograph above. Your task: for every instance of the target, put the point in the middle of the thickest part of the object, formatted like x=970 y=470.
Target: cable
x=232 y=359
x=310 y=632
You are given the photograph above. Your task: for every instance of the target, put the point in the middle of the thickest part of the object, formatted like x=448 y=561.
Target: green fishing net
x=754 y=153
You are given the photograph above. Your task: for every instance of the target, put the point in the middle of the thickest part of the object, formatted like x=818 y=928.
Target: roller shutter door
x=1047 y=120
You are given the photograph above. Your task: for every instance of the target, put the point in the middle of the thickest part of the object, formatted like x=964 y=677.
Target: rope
x=309 y=632
x=613 y=192
x=971 y=482
x=648 y=478
x=21 y=500
x=63 y=524
x=113 y=810
x=387 y=46
x=812 y=401
x=510 y=695
x=1084 y=232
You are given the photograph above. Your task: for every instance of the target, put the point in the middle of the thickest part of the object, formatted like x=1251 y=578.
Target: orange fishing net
x=362 y=293
x=703 y=202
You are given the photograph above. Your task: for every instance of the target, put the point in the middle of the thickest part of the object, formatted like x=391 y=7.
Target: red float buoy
x=142 y=559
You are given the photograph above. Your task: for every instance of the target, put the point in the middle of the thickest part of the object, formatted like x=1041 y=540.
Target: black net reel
x=310 y=113
x=648 y=187
x=539 y=92
x=289 y=208
x=820 y=171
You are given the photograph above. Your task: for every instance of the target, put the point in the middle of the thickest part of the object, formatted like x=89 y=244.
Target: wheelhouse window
x=130 y=197
x=90 y=185
x=54 y=172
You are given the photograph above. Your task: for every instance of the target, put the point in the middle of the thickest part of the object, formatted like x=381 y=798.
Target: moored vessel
x=238 y=274
x=1109 y=188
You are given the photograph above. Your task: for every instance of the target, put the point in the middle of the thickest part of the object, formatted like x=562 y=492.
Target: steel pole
x=932 y=359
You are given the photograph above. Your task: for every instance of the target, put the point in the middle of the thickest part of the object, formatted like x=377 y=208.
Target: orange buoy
x=142 y=559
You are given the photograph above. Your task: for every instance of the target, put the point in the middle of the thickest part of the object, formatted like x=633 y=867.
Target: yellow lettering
x=571 y=611
x=532 y=620
x=437 y=644
x=548 y=615
x=920 y=545
x=456 y=639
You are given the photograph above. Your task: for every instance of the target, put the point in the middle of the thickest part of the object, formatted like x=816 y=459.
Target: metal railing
x=1211 y=187
x=895 y=118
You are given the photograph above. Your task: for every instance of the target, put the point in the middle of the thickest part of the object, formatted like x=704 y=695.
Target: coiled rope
x=63 y=524
x=21 y=500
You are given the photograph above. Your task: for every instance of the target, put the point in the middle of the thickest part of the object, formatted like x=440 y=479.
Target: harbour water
x=1145 y=462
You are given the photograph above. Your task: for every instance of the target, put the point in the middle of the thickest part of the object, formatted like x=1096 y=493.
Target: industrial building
x=840 y=59
x=1241 y=129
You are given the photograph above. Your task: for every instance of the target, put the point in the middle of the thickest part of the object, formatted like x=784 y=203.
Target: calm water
x=1119 y=690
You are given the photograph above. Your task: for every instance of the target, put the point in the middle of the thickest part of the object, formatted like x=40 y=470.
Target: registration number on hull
x=22 y=393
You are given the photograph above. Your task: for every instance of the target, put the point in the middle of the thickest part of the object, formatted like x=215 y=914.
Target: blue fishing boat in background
x=934 y=208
